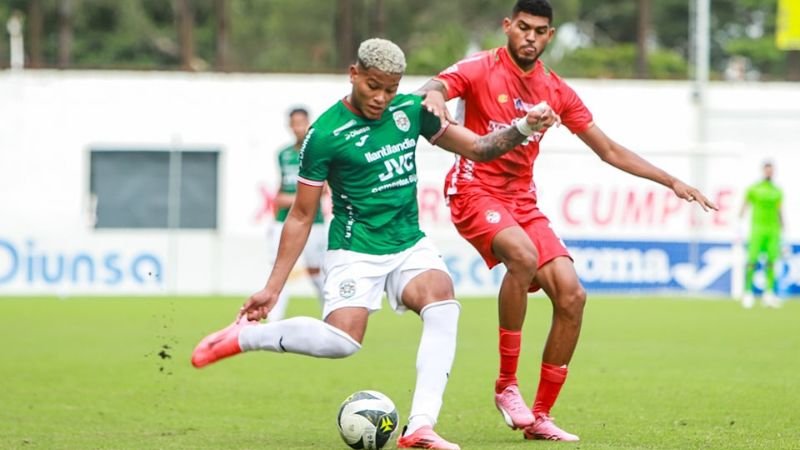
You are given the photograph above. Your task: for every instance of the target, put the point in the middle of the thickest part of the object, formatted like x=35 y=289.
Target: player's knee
x=522 y=262
x=570 y=304
x=337 y=344
x=341 y=346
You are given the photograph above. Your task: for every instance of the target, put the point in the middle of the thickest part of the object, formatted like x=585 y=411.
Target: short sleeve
x=461 y=76
x=574 y=114
x=430 y=126
x=748 y=196
x=315 y=159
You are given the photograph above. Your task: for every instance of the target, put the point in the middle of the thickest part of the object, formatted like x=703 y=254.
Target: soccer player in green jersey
x=364 y=146
x=314 y=251
x=765 y=235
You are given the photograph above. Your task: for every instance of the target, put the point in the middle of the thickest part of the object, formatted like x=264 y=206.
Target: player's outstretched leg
x=437 y=348
x=221 y=344
x=301 y=335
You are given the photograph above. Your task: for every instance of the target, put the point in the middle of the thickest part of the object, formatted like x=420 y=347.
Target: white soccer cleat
x=771 y=300
x=748 y=300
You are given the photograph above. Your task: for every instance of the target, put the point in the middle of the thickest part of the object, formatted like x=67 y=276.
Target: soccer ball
x=367 y=420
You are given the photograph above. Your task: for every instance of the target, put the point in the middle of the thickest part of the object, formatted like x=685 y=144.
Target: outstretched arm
x=293 y=238
x=432 y=85
x=466 y=143
x=434 y=94
x=622 y=158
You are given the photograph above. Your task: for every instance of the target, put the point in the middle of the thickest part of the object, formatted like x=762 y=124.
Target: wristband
x=523 y=127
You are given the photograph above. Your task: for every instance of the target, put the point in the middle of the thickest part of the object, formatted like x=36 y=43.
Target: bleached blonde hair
x=383 y=55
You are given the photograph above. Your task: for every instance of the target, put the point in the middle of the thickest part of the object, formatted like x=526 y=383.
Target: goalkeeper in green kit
x=765 y=235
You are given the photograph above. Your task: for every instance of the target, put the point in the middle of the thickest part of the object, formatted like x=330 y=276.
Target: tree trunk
x=377 y=22
x=35 y=33
x=223 y=22
x=64 y=33
x=185 y=16
x=793 y=65
x=643 y=35
x=345 y=42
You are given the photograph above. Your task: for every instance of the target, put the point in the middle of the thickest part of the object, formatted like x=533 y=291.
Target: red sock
x=509 y=358
x=550 y=382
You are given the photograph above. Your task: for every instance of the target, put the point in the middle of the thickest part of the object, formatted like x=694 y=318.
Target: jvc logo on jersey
x=398 y=166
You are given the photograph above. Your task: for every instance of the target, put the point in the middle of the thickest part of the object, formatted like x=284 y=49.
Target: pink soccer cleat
x=513 y=408
x=544 y=428
x=219 y=345
x=425 y=437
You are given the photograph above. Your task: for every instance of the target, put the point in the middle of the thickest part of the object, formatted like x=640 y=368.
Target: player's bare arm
x=295 y=233
x=620 y=157
x=434 y=93
x=466 y=143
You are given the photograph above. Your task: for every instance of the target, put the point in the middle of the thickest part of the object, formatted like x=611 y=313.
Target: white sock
x=301 y=335
x=278 y=312
x=437 y=348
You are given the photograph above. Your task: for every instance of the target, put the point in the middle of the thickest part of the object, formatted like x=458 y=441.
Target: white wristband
x=523 y=127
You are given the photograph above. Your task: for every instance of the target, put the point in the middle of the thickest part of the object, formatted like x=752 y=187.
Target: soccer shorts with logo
x=354 y=279
x=479 y=217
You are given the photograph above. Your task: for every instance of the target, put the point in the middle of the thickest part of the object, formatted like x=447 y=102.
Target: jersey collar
x=352 y=108
x=505 y=58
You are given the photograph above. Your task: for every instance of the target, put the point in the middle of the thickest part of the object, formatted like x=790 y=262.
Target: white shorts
x=314 y=251
x=355 y=279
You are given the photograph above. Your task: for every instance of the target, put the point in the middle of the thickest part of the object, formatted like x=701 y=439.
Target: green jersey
x=765 y=198
x=289 y=164
x=371 y=169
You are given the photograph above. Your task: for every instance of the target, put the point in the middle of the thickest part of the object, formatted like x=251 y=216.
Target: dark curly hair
x=539 y=8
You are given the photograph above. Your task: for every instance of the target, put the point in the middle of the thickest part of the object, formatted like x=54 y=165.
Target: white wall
x=49 y=120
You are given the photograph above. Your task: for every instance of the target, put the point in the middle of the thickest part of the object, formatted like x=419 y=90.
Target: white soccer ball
x=367 y=420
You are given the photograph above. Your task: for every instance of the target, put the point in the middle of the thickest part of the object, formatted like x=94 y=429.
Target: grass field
x=105 y=373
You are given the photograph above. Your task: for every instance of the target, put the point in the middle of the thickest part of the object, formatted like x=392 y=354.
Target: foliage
x=300 y=35
x=619 y=62
x=762 y=54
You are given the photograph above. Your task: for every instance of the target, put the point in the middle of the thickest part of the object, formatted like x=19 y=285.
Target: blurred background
x=138 y=139
x=596 y=39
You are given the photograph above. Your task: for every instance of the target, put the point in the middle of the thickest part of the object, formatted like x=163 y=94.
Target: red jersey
x=494 y=91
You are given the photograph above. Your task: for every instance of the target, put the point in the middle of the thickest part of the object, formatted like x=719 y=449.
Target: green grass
x=648 y=374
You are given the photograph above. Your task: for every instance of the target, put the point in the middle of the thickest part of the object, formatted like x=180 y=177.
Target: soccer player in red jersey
x=494 y=204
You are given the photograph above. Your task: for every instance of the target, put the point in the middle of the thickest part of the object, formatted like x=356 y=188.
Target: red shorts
x=478 y=217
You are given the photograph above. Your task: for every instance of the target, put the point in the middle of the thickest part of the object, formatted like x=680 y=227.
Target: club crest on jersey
x=522 y=106
x=502 y=98
x=347 y=288
x=492 y=216
x=401 y=120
